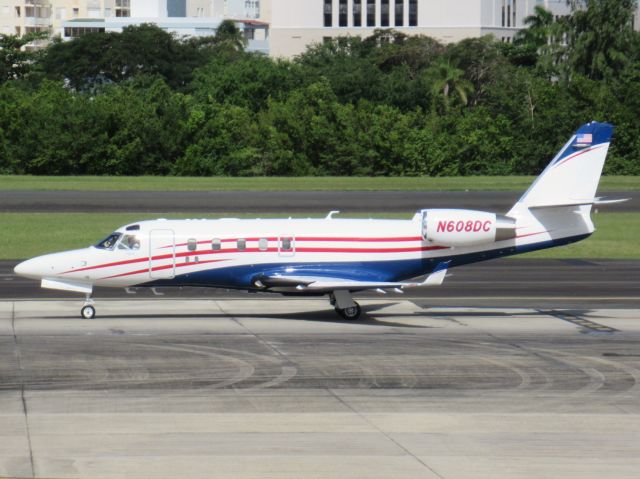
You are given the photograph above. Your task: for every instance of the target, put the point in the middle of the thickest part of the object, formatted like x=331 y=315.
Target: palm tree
x=447 y=82
x=228 y=33
x=539 y=26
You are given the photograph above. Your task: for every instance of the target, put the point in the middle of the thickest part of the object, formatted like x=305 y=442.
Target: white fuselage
x=231 y=253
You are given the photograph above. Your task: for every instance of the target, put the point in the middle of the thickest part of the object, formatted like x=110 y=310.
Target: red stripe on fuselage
x=575 y=155
x=313 y=238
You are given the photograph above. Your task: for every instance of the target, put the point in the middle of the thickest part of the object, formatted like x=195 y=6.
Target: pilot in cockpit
x=129 y=242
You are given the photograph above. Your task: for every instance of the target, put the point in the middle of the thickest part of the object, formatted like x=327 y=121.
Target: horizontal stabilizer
x=595 y=202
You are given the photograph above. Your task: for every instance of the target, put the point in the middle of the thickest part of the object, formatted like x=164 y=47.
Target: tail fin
x=572 y=176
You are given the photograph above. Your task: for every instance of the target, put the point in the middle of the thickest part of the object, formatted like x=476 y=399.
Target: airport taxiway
x=297 y=202
x=281 y=388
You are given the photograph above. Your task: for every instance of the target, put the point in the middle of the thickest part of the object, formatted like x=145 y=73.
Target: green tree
x=16 y=58
x=102 y=58
x=228 y=34
x=447 y=82
x=600 y=36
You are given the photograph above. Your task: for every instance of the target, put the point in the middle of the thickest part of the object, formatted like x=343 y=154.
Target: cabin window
x=109 y=242
x=286 y=243
x=129 y=242
x=242 y=244
x=263 y=244
x=216 y=244
x=192 y=244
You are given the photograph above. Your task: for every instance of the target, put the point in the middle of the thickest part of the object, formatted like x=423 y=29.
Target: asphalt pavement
x=508 y=282
x=269 y=201
x=283 y=389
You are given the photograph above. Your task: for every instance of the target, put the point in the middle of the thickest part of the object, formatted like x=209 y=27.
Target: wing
x=318 y=284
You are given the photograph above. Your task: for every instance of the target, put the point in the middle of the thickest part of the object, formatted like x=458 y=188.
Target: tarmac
x=293 y=202
x=281 y=388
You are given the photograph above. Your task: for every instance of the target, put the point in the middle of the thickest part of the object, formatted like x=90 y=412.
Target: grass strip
x=163 y=183
x=24 y=235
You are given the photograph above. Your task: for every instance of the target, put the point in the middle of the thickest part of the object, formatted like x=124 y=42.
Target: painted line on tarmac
x=368 y=298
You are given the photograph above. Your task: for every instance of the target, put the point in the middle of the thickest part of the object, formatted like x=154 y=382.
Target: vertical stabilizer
x=572 y=176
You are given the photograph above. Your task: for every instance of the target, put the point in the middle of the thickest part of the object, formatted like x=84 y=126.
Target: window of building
x=384 y=13
x=399 y=20
x=242 y=244
x=123 y=8
x=216 y=244
x=357 y=13
x=413 y=13
x=513 y=20
x=74 y=32
x=76 y=12
x=18 y=31
x=328 y=13
x=35 y=29
x=263 y=244
x=192 y=244
x=504 y=7
x=17 y=10
x=343 y=13
x=29 y=11
x=371 y=13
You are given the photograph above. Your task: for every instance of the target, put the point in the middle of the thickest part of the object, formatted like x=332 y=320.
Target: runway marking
x=578 y=321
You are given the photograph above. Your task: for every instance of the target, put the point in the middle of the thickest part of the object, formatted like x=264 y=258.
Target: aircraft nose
x=28 y=269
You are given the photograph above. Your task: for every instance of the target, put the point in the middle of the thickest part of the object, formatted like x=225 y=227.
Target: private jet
x=336 y=256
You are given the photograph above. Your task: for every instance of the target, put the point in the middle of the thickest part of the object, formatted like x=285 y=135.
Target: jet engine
x=448 y=227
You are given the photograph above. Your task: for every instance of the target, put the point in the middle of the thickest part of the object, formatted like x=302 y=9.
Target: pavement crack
x=25 y=410
x=384 y=433
x=260 y=339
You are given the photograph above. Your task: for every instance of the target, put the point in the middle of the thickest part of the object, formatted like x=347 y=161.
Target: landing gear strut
x=344 y=304
x=88 y=311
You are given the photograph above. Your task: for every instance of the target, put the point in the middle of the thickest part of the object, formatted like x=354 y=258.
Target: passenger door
x=162 y=254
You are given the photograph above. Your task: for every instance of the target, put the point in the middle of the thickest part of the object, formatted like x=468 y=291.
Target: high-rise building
x=294 y=24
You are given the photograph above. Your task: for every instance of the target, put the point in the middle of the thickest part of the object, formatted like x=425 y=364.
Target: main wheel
x=88 y=312
x=351 y=313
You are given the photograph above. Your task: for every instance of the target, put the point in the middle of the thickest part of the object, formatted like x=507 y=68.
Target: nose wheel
x=88 y=311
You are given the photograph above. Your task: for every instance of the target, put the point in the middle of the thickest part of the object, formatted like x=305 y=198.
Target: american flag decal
x=584 y=138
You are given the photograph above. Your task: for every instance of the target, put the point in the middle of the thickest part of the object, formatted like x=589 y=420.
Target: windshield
x=109 y=242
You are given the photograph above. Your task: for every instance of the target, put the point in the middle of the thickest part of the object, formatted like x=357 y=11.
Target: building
x=295 y=24
x=191 y=18
x=284 y=28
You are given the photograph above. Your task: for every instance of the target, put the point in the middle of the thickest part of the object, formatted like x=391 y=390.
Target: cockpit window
x=129 y=242
x=109 y=242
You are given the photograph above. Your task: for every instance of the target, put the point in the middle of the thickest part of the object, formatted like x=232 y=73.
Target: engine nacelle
x=448 y=227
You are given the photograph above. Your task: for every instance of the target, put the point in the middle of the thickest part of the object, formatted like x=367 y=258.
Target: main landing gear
x=344 y=304
x=88 y=311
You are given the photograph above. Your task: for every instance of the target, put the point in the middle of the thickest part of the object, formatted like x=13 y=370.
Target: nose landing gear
x=88 y=311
